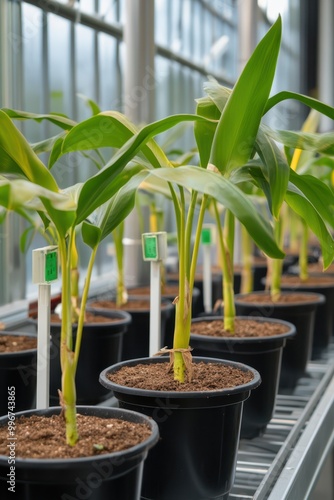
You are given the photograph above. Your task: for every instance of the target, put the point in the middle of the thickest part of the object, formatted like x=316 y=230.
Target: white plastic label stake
x=44 y=270
x=208 y=236
x=155 y=250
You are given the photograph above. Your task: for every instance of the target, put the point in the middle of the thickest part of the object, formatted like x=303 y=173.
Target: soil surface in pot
x=158 y=377
x=131 y=305
x=317 y=267
x=16 y=343
x=44 y=437
x=310 y=281
x=243 y=328
x=285 y=298
x=145 y=290
x=90 y=318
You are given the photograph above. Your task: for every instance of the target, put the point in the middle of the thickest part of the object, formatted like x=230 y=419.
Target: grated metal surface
x=263 y=462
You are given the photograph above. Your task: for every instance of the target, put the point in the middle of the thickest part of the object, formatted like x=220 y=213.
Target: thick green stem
x=197 y=241
x=277 y=264
x=66 y=324
x=226 y=249
x=83 y=304
x=68 y=399
x=68 y=391
x=121 y=295
x=247 y=261
x=182 y=305
x=293 y=230
x=303 y=255
x=187 y=270
x=74 y=279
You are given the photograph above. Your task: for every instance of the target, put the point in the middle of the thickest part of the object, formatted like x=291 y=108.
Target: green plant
x=266 y=165
x=96 y=207
x=227 y=132
x=28 y=187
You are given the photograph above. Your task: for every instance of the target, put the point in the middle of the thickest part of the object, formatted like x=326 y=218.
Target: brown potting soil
x=17 y=343
x=285 y=298
x=317 y=267
x=158 y=377
x=90 y=318
x=131 y=305
x=295 y=281
x=169 y=290
x=244 y=328
x=44 y=437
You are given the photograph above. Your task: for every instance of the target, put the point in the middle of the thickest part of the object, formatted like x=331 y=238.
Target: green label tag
x=51 y=266
x=151 y=247
x=206 y=236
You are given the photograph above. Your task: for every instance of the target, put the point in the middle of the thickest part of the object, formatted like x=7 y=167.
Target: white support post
x=154 y=246
x=208 y=238
x=44 y=270
x=43 y=346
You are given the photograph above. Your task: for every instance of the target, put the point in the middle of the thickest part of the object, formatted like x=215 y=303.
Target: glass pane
x=60 y=66
x=85 y=67
x=110 y=73
x=33 y=81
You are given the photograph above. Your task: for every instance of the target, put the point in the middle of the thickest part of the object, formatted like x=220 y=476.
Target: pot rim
x=247 y=340
x=255 y=382
x=320 y=298
x=166 y=305
x=25 y=352
x=116 y=413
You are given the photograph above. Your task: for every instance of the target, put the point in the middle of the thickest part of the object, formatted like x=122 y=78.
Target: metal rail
x=285 y=462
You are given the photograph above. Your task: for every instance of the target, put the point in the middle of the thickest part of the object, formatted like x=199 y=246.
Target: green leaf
x=110 y=215
x=91 y=234
x=205 y=131
x=109 y=129
x=46 y=145
x=230 y=196
x=61 y=121
x=303 y=207
x=18 y=158
x=276 y=170
x=317 y=193
x=309 y=101
x=94 y=107
x=238 y=126
x=19 y=193
x=105 y=183
x=322 y=143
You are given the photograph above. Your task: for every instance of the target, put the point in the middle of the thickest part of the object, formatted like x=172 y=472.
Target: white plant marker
x=208 y=237
x=155 y=250
x=44 y=270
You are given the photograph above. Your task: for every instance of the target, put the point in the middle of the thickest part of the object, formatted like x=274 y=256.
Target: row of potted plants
x=186 y=398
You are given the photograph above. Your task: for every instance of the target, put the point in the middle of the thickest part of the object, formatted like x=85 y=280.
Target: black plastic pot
x=264 y=354
x=101 y=344
x=324 y=317
x=137 y=339
x=196 y=455
x=112 y=476
x=297 y=352
x=18 y=370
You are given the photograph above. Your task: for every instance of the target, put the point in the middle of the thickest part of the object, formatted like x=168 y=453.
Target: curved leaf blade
x=104 y=184
x=237 y=128
x=18 y=158
x=230 y=196
x=276 y=170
